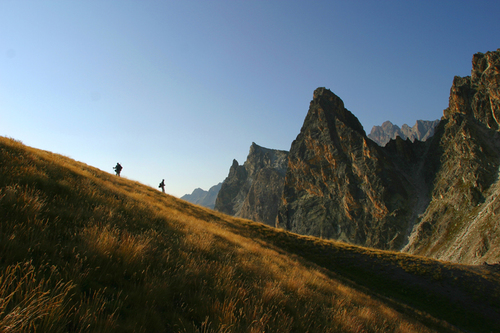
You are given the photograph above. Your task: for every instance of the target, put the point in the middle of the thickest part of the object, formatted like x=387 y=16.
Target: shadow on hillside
x=463 y=296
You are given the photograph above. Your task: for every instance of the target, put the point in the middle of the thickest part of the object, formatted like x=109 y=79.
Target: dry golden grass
x=84 y=251
x=27 y=302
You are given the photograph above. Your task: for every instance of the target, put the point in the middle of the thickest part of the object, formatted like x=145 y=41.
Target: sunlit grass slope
x=82 y=250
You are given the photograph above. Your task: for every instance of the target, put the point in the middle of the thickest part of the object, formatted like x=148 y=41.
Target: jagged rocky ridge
x=253 y=190
x=422 y=130
x=342 y=185
x=202 y=197
x=461 y=223
x=436 y=198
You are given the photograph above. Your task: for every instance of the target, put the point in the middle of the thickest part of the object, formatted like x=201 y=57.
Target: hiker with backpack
x=162 y=185
x=118 y=168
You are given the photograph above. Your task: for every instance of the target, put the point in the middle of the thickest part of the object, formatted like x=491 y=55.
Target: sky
x=176 y=90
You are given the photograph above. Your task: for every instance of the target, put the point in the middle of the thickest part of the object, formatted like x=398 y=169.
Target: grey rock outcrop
x=253 y=190
x=341 y=185
x=461 y=221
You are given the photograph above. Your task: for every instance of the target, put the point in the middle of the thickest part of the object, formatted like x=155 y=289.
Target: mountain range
x=422 y=130
x=430 y=190
x=202 y=197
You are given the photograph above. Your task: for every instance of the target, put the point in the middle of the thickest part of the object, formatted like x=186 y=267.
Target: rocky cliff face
x=253 y=190
x=340 y=184
x=461 y=223
x=437 y=198
x=422 y=130
x=202 y=197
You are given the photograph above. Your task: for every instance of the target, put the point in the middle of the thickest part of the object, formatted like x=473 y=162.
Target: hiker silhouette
x=162 y=185
x=118 y=168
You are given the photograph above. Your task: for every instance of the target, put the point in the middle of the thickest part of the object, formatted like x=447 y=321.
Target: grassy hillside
x=82 y=250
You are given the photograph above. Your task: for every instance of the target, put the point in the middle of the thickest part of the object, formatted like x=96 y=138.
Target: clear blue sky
x=177 y=89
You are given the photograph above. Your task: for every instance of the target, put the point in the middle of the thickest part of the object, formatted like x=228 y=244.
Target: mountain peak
x=327 y=107
x=436 y=198
x=333 y=185
x=252 y=190
x=477 y=95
